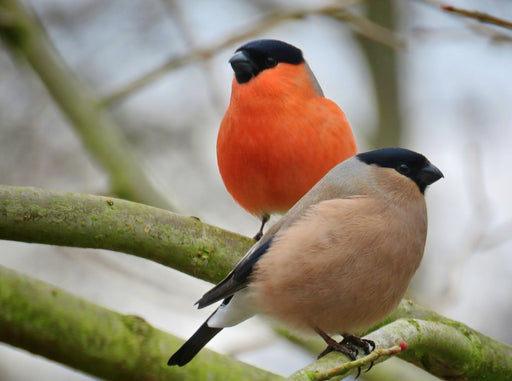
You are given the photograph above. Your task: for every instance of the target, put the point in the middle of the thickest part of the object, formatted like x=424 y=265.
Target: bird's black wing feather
x=237 y=278
x=193 y=345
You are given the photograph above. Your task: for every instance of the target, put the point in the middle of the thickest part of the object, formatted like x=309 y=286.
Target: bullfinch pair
x=338 y=261
x=279 y=135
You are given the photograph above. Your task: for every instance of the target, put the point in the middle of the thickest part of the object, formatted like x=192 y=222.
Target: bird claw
x=368 y=346
x=333 y=345
x=370 y=367
x=348 y=346
x=366 y=371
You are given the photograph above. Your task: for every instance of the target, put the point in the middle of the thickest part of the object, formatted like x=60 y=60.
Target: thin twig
x=484 y=30
x=365 y=27
x=204 y=53
x=369 y=359
x=338 y=11
x=480 y=16
x=187 y=33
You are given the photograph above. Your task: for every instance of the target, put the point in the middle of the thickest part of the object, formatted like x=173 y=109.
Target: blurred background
x=405 y=72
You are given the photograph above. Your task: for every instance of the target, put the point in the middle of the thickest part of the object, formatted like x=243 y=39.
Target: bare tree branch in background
x=480 y=16
x=369 y=29
x=188 y=36
x=477 y=26
x=382 y=61
x=104 y=140
x=338 y=11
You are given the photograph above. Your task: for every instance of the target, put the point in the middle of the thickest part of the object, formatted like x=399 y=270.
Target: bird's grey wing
x=338 y=183
x=237 y=279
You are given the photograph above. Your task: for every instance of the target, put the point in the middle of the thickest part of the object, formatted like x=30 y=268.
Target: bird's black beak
x=243 y=67
x=429 y=174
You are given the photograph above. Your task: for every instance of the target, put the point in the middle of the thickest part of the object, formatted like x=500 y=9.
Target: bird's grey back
x=339 y=182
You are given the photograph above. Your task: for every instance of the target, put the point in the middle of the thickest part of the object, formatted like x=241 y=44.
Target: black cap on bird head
x=408 y=163
x=252 y=58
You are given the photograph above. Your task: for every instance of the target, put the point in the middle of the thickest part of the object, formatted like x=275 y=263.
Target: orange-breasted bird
x=279 y=135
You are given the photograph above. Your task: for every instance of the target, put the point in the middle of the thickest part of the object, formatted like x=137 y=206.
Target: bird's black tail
x=193 y=345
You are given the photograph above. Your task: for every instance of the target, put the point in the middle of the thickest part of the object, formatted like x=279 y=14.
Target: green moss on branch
x=447 y=349
x=50 y=322
x=81 y=220
x=443 y=347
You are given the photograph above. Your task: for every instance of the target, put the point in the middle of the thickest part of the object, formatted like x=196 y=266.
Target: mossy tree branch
x=81 y=220
x=443 y=347
x=446 y=349
x=101 y=136
x=48 y=321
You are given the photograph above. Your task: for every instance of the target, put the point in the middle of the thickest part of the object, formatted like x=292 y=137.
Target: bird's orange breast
x=278 y=138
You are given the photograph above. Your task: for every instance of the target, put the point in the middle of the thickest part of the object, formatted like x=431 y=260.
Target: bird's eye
x=270 y=62
x=403 y=169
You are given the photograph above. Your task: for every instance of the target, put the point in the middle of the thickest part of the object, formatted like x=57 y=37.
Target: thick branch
x=49 y=322
x=99 y=133
x=446 y=349
x=81 y=220
x=439 y=345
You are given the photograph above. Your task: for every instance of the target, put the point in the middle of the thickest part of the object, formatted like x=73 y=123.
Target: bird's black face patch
x=408 y=163
x=256 y=56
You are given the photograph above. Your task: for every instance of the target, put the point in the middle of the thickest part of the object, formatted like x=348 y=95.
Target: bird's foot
x=355 y=342
x=366 y=345
x=333 y=345
x=349 y=346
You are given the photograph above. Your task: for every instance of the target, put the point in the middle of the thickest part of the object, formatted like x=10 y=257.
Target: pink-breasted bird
x=338 y=261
